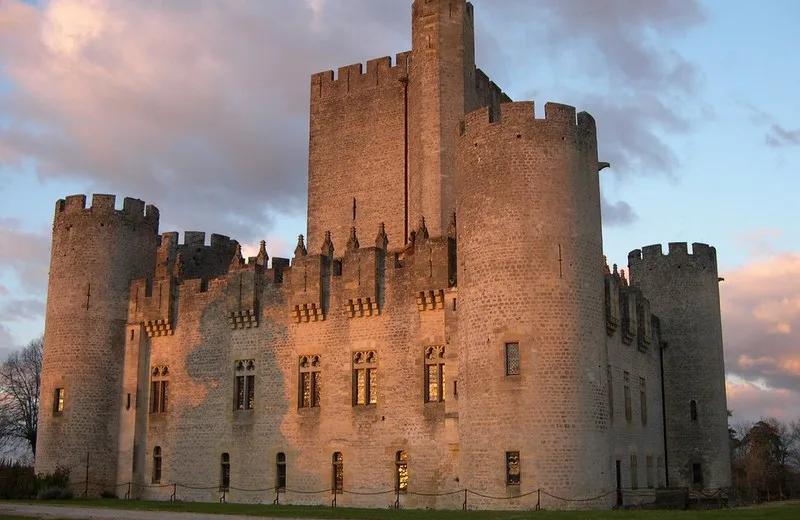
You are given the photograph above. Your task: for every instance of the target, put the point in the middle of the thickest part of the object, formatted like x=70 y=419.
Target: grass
x=776 y=511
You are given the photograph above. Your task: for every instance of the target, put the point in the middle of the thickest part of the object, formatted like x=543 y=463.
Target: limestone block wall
x=96 y=251
x=683 y=289
x=529 y=272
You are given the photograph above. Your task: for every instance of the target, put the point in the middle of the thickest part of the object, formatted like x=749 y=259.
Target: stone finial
x=262 y=257
x=622 y=280
x=327 y=245
x=382 y=241
x=615 y=272
x=422 y=230
x=451 y=227
x=238 y=260
x=177 y=269
x=606 y=270
x=352 y=242
x=300 y=250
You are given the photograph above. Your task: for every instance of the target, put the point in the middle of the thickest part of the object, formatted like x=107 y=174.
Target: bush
x=54 y=493
x=17 y=481
x=108 y=494
x=57 y=479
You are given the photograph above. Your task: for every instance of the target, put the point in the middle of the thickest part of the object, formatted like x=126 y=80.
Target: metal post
x=333 y=502
x=174 y=496
x=538 y=499
x=397 y=497
x=86 y=483
x=276 y=502
x=128 y=494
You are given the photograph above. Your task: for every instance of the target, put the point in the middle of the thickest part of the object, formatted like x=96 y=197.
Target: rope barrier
x=502 y=498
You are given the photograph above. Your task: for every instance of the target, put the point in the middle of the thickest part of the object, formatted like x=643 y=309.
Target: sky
x=201 y=108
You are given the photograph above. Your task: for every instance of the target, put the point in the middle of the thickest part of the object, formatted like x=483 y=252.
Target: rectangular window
x=634 y=472
x=159 y=389
x=280 y=462
x=338 y=472
x=401 y=466
x=156 y=465
x=58 y=401
x=244 y=392
x=697 y=474
x=512 y=359
x=434 y=374
x=512 y=468
x=643 y=399
x=610 y=391
x=626 y=381
x=225 y=472
x=365 y=378
x=649 y=466
x=310 y=380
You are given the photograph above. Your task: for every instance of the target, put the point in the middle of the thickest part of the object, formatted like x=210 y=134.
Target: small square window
x=512 y=359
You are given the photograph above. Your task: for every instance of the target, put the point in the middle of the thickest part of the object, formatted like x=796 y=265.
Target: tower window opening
x=156 y=465
x=338 y=472
x=512 y=468
x=697 y=474
x=225 y=472
x=58 y=401
x=280 y=462
x=512 y=359
x=401 y=466
x=693 y=410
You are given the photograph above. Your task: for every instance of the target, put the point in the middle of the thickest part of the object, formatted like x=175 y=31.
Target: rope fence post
x=277 y=502
x=538 y=499
x=397 y=497
x=222 y=498
x=464 y=505
x=128 y=493
x=333 y=502
x=174 y=496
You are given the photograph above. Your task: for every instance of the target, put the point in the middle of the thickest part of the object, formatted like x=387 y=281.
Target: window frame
x=337 y=476
x=513 y=479
x=280 y=472
x=155 y=477
x=310 y=371
x=159 y=389
x=510 y=369
x=626 y=383
x=643 y=399
x=435 y=359
x=225 y=472
x=59 y=401
x=401 y=472
x=244 y=385
x=366 y=362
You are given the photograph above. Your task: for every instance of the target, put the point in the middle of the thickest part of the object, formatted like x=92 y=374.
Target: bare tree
x=20 y=377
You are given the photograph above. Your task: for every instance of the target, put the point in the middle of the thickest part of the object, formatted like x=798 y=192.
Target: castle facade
x=450 y=322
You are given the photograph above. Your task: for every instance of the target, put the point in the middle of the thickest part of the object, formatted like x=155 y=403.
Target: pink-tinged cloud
x=761 y=321
x=750 y=403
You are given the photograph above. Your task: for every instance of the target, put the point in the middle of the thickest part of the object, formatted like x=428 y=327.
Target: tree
x=20 y=378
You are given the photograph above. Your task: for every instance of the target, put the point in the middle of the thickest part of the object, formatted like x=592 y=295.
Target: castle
x=450 y=322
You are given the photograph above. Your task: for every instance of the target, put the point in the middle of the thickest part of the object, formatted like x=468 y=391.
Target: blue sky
x=203 y=104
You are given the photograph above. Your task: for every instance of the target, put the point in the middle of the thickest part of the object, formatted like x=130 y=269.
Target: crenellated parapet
x=702 y=257
x=362 y=275
x=430 y=267
x=198 y=259
x=627 y=310
x=310 y=278
x=489 y=94
x=353 y=79
x=134 y=212
x=152 y=303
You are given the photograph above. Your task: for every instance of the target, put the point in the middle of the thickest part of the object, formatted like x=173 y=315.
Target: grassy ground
x=778 y=511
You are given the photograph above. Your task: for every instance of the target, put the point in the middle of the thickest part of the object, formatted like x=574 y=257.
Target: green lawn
x=779 y=511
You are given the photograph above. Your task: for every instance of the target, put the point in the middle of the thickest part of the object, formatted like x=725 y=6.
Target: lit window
x=401 y=464
x=365 y=380
x=225 y=472
x=434 y=374
x=159 y=389
x=310 y=380
x=512 y=359
x=244 y=385
x=58 y=401
x=156 y=465
x=512 y=468
x=280 y=462
x=338 y=472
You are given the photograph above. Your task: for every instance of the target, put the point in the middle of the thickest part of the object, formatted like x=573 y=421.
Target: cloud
x=778 y=136
x=25 y=255
x=750 y=403
x=761 y=319
x=22 y=310
x=618 y=213
x=759 y=242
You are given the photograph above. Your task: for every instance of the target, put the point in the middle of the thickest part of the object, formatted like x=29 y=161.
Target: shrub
x=17 y=481
x=108 y=494
x=54 y=493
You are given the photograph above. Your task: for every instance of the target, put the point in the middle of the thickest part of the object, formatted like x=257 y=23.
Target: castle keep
x=447 y=323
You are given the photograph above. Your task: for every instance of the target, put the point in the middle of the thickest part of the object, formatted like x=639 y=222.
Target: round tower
x=532 y=333
x=96 y=252
x=683 y=289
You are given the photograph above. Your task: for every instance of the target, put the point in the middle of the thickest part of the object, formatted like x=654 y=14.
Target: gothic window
x=159 y=389
x=610 y=391
x=338 y=472
x=280 y=462
x=634 y=472
x=512 y=468
x=626 y=382
x=225 y=472
x=244 y=393
x=643 y=400
x=310 y=379
x=434 y=374
x=512 y=359
x=156 y=465
x=401 y=472
x=697 y=474
x=365 y=381
x=648 y=461
x=693 y=409
x=58 y=401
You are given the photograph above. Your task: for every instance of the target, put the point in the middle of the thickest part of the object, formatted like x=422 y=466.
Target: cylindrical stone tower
x=532 y=333
x=683 y=290
x=96 y=252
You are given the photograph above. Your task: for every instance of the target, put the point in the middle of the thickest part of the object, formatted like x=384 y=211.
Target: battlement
x=488 y=90
x=425 y=8
x=521 y=115
x=104 y=204
x=677 y=251
x=352 y=79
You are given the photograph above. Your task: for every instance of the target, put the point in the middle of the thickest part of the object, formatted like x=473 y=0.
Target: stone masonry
x=450 y=322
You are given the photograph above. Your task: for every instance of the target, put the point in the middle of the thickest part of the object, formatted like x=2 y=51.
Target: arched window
x=401 y=464
x=157 y=465
x=224 y=472
x=693 y=409
x=280 y=463
x=338 y=472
